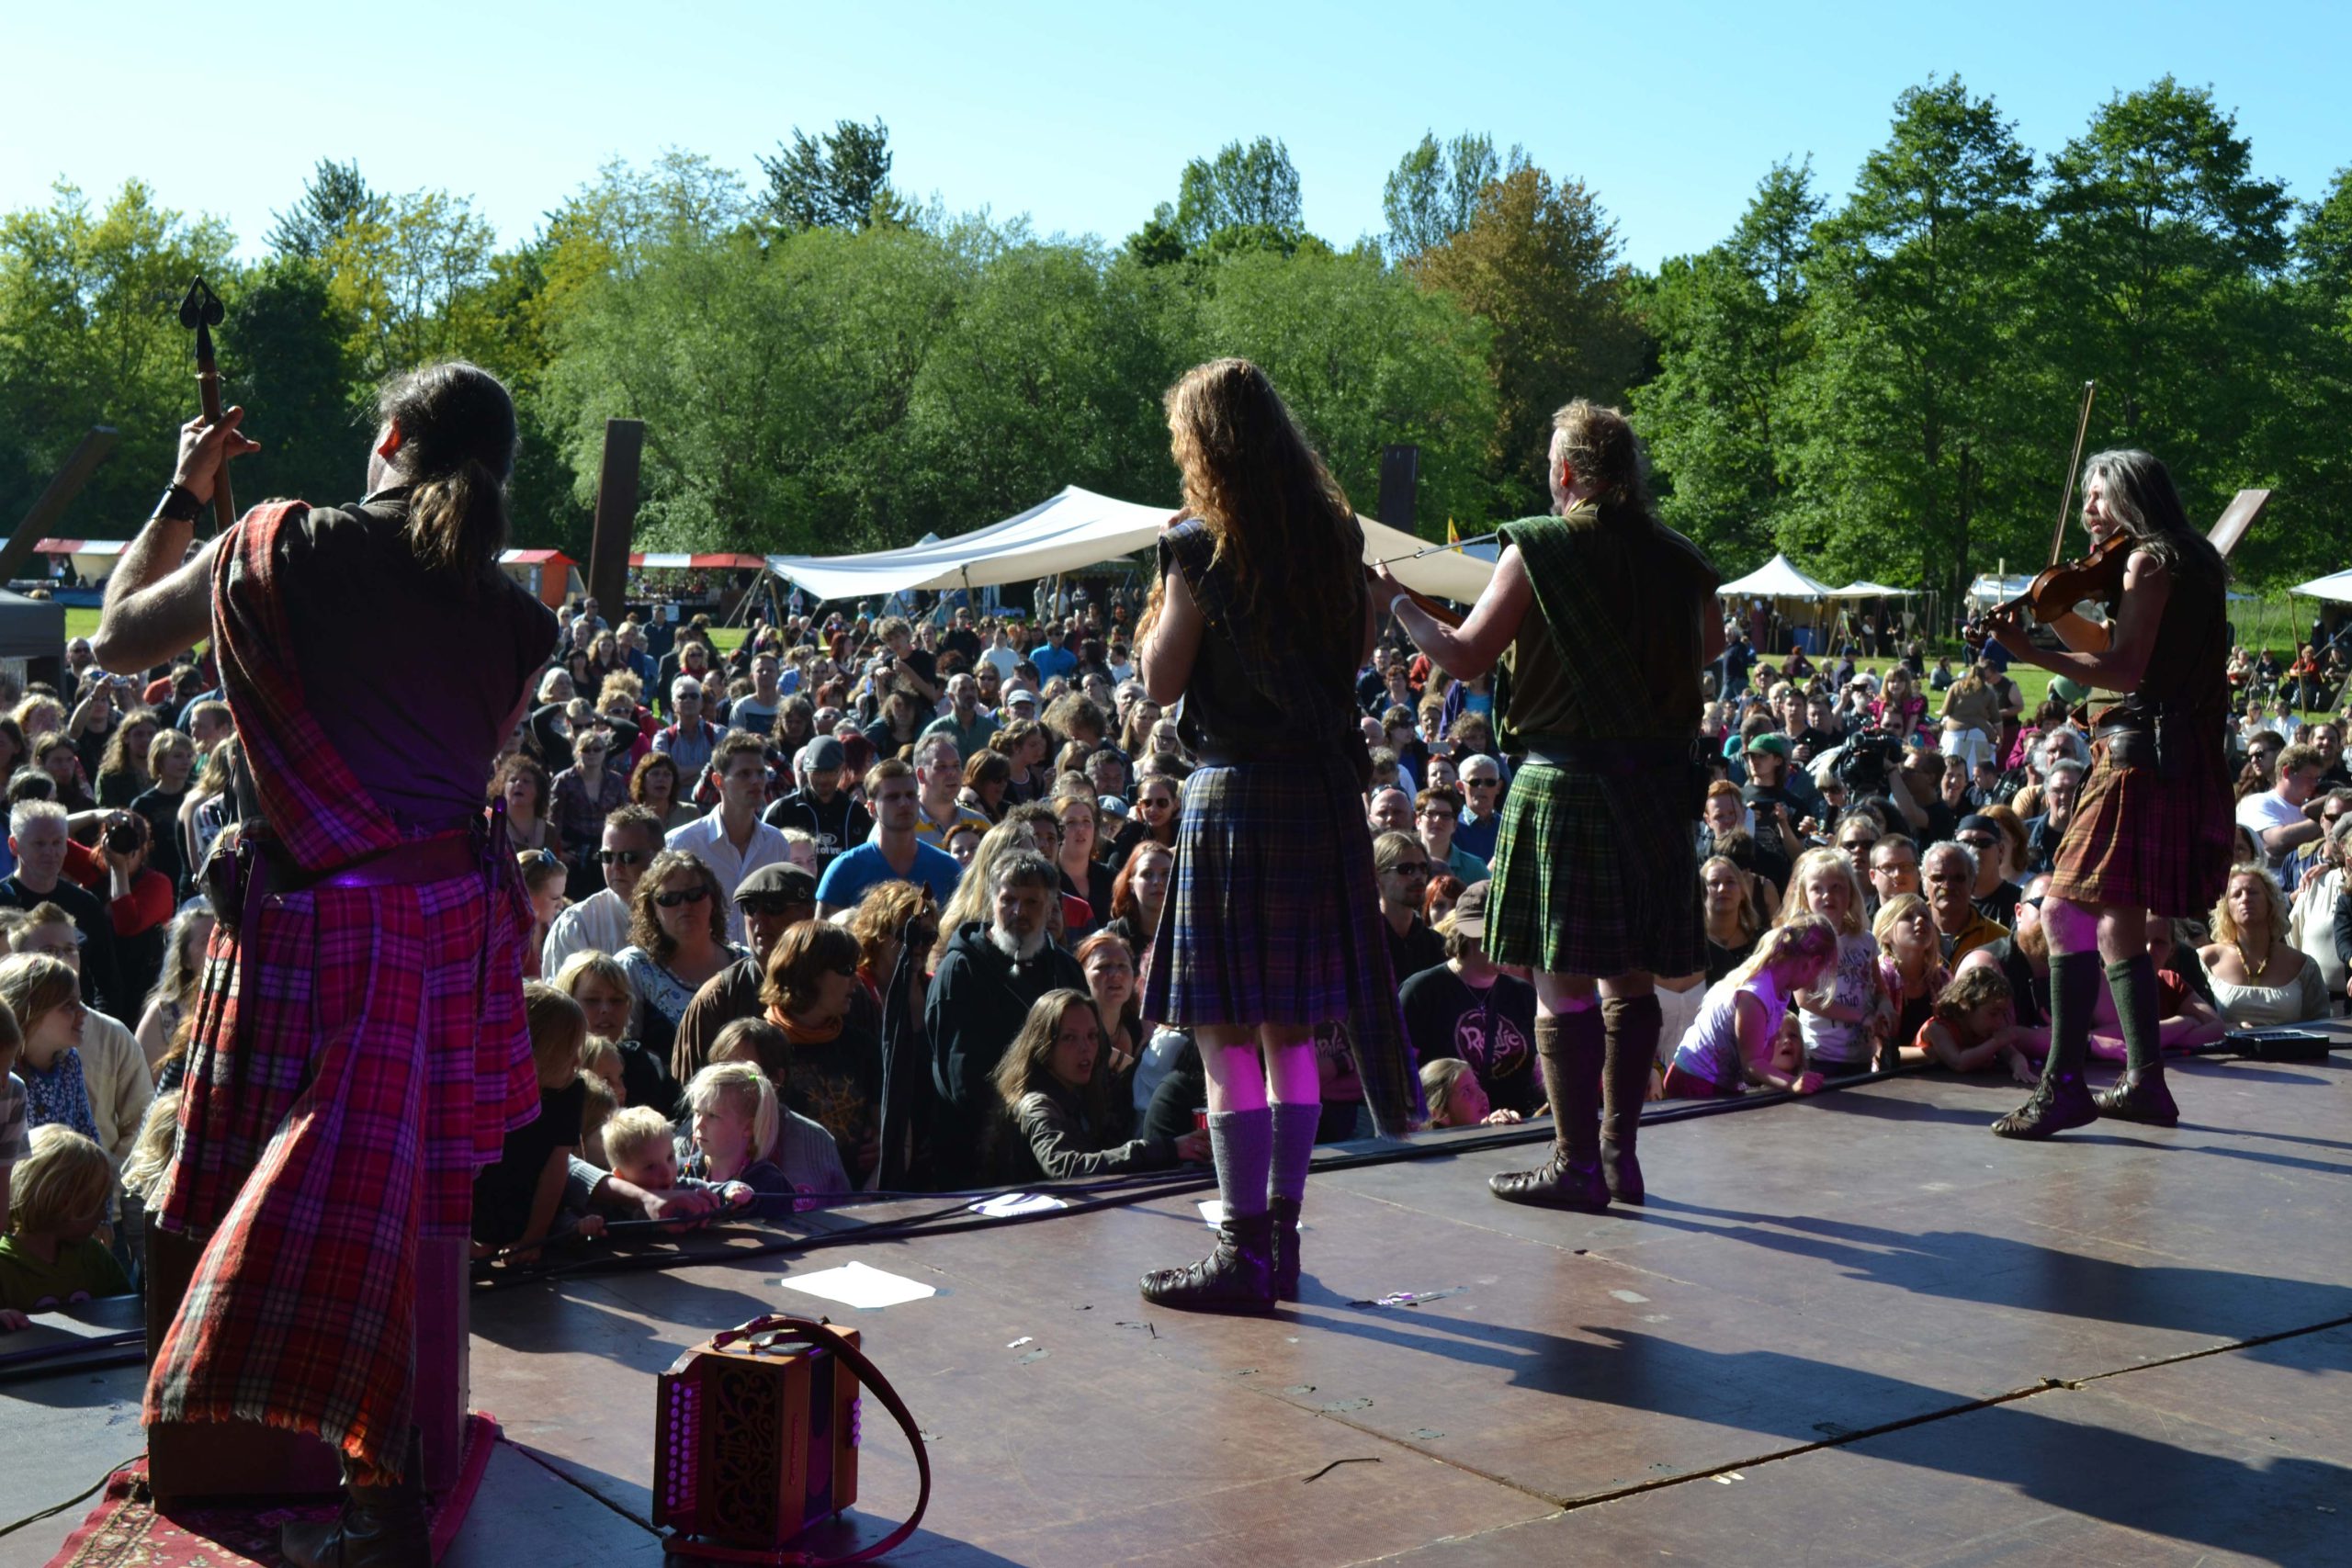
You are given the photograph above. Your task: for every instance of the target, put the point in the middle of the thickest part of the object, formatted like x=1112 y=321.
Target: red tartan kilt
x=2139 y=840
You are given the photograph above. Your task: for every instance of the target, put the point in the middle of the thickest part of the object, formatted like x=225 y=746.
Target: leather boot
x=2140 y=1096
x=377 y=1527
x=1632 y=1024
x=2061 y=1100
x=1282 y=1213
x=1237 y=1277
x=1570 y=1052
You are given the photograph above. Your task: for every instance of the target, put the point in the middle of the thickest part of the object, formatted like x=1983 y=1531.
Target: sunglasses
x=764 y=904
x=690 y=896
x=621 y=857
x=1408 y=871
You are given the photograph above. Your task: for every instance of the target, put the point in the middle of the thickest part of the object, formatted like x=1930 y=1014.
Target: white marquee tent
x=1776 y=579
x=1070 y=532
x=2336 y=587
x=1866 y=588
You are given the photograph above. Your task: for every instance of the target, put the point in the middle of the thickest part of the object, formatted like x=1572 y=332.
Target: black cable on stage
x=1091 y=1196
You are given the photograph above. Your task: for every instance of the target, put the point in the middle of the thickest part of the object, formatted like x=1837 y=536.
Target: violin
x=2058 y=588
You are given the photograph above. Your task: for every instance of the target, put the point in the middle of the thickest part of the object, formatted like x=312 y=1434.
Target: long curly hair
x=1282 y=523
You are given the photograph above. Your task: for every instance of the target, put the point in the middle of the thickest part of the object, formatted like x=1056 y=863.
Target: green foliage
x=331 y=196
x=407 y=271
x=1434 y=192
x=836 y=179
x=284 y=354
x=1252 y=186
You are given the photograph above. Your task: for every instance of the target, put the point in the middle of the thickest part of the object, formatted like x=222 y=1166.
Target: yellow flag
x=1452 y=536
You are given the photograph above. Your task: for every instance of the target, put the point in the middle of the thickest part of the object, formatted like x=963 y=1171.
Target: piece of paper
x=1005 y=1205
x=1212 y=1211
x=855 y=1285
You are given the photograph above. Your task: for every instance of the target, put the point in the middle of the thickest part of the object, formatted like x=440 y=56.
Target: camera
x=122 y=834
x=1864 y=766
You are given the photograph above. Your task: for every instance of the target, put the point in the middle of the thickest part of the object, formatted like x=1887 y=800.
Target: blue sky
x=1081 y=116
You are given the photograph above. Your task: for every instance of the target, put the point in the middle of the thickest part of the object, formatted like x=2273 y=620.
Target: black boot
x=2142 y=1097
x=377 y=1527
x=1632 y=1024
x=1237 y=1277
x=2061 y=1099
x=1282 y=1213
x=1569 y=1048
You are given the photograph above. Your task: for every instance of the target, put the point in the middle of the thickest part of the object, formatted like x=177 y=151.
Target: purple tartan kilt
x=1271 y=861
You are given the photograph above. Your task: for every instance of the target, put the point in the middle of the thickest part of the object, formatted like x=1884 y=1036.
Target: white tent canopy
x=1866 y=588
x=1776 y=579
x=1070 y=532
x=2336 y=587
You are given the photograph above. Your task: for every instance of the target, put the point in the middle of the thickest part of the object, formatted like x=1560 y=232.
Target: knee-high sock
x=2074 y=996
x=1569 y=1048
x=1633 y=1024
x=1293 y=1149
x=1243 y=1144
x=2133 y=981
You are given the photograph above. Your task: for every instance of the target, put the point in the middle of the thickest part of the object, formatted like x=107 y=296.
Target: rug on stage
x=125 y=1532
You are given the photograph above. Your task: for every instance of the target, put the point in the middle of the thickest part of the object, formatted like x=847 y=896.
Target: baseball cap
x=1020 y=697
x=1769 y=742
x=791 y=882
x=823 y=755
x=1469 y=917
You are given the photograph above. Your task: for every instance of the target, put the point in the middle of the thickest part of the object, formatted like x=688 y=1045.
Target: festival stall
x=1777 y=582
x=549 y=575
x=1070 y=532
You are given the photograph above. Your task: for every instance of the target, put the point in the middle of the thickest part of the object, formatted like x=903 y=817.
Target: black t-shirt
x=411 y=679
x=838 y=1085
x=1419 y=948
x=2030 y=992
x=838 y=825
x=1722 y=961
x=503 y=1190
x=1492 y=1029
x=161 y=811
x=963 y=640
x=2000 y=905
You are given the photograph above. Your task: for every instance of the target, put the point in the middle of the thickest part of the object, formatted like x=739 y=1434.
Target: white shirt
x=1004 y=658
x=706 y=838
x=598 y=923
x=2263 y=810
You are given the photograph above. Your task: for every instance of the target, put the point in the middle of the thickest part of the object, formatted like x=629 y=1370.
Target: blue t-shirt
x=1052 y=661
x=849 y=876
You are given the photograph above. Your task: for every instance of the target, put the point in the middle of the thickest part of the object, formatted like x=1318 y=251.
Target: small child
x=543 y=879
x=743 y=1135
x=519 y=1201
x=597 y=1109
x=1732 y=1043
x=51 y=1256
x=45 y=996
x=1976 y=1025
x=12 y=1108
x=644 y=1182
x=1843 y=1019
x=1450 y=1087
x=142 y=1172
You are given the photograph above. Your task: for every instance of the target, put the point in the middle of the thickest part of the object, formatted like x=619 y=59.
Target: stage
x=1854 y=1330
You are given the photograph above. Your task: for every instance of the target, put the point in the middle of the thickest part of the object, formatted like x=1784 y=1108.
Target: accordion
x=756 y=1436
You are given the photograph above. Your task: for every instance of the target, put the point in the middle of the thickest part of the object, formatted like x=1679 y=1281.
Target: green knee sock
x=2074 y=996
x=2133 y=981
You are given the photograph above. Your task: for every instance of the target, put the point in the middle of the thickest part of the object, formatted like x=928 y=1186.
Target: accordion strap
x=780 y=1326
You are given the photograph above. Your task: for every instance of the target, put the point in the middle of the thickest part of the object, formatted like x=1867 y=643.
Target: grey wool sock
x=1293 y=1149
x=1243 y=1145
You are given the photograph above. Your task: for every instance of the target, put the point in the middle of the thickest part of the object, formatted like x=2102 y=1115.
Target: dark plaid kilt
x=2141 y=840
x=1565 y=897
x=1272 y=863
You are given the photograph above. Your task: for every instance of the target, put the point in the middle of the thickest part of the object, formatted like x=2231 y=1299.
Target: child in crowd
x=595 y=1110
x=644 y=1150
x=52 y=1255
x=1450 y=1087
x=543 y=879
x=519 y=1201
x=144 y=1170
x=1974 y=1026
x=1843 y=1021
x=1732 y=1043
x=45 y=996
x=743 y=1135
x=12 y=1109
x=1911 y=967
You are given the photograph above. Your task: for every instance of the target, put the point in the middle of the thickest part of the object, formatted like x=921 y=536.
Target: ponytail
x=458 y=438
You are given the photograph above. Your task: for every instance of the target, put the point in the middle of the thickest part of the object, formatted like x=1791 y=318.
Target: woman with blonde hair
x=1260 y=620
x=176 y=989
x=2261 y=979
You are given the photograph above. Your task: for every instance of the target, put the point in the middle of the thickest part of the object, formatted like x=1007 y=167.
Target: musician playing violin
x=2151 y=828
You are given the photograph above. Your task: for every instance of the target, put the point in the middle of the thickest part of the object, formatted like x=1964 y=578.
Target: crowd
x=861 y=904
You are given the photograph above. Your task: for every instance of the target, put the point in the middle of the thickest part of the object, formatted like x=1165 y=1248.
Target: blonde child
x=1450 y=1087
x=12 y=1108
x=646 y=1181
x=1976 y=1025
x=1911 y=967
x=1732 y=1043
x=52 y=1255
x=45 y=996
x=1845 y=1019
x=743 y=1135
x=519 y=1201
x=594 y=1111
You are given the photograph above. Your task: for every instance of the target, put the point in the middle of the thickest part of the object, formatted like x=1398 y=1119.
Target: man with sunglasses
x=599 y=923
x=1482 y=791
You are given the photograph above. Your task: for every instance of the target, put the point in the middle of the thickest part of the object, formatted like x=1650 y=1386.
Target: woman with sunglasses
x=677 y=940
x=583 y=796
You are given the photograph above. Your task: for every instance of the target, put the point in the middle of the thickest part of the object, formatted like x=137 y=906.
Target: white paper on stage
x=1212 y=1211
x=855 y=1285
x=1006 y=1205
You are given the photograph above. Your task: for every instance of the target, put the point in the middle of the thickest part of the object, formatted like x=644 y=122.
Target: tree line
x=1882 y=383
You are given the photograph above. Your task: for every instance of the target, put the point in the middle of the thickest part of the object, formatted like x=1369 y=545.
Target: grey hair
x=25 y=813
x=1955 y=847
x=2066 y=765
x=1028 y=868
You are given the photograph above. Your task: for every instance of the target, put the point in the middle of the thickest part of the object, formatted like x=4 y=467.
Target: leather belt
x=439 y=859
x=1612 y=757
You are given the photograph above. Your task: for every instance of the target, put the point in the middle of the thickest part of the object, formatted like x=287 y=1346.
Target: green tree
x=285 y=350
x=402 y=270
x=1732 y=329
x=90 y=334
x=1432 y=193
x=1251 y=185
x=1538 y=264
x=2297 y=444
x=1924 y=447
x=331 y=196
x=836 y=179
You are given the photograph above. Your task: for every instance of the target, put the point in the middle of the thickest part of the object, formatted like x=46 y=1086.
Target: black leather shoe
x=2061 y=1100
x=1284 y=1264
x=1622 y=1171
x=1556 y=1184
x=2140 y=1097
x=1237 y=1277
x=377 y=1527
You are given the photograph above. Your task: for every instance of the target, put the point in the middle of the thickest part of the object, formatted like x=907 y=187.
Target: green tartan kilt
x=1571 y=895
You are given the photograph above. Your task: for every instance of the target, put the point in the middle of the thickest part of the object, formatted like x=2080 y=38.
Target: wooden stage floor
x=1856 y=1330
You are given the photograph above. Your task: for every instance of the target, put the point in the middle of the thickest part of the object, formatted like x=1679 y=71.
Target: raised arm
x=159 y=600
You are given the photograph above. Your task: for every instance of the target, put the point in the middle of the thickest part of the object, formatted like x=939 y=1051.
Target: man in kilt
x=2152 y=824
x=1599 y=620
x=359 y=1048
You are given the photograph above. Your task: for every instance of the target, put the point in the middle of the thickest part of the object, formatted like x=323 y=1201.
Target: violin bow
x=2073 y=467
x=201 y=312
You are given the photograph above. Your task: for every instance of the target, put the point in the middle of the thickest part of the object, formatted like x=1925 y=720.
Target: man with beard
x=994 y=971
